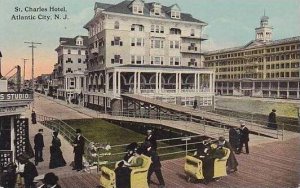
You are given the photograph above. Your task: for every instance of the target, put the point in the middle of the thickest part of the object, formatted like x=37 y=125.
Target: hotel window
x=175 y=14
x=117 y=59
x=117 y=25
x=139 y=42
x=162 y=29
x=175 y=61
x=132 y=59
x=152 y=28
x=192 y=32
x=69 y=51
x=117 y=42
x=157 y=60
x=79 y=60
x=79 y=52
x=157 y=44
x=287 y=65
x=157 y=28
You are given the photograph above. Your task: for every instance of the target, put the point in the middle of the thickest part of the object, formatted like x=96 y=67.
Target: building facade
x=146 y=49
x=68 y=73
x=261 y=68
x=14 y=137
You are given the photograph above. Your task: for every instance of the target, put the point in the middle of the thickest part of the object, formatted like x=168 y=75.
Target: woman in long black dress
x=56 y=157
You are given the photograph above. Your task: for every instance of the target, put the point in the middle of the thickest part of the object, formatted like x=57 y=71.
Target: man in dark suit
x=33 y=117
x=155 y=165
x=38 y=147
x=244 y=137
x=272 y=120
x=78 y=144
x=152 y=139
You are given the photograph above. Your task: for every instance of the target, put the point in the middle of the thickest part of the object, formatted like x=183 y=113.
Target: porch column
x=210 y=83
x=159 y=82
x=134 y=83
x=156 y=82
x=106 y=82
x=199 y=84
x=195 y=82
x=176 y=83
x=139 y=82
x=119 y=83
x=179 y=83
x=214 y=82
x=114 y=82
x=287 y=89
x=278 y=89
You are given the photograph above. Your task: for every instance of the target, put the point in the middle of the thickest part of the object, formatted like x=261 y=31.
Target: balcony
x=190 y=49
x=202 y=37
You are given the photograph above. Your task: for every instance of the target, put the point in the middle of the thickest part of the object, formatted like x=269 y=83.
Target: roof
x=102 y=5
x=124 y=8
x=72 y=41
x=256 y=44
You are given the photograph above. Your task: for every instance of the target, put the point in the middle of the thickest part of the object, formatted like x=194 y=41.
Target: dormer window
x=175 y=12
x=137 y=7
x=79 y=41
x=156 y=9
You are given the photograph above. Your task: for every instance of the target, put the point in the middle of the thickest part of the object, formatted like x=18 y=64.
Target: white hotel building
x=146 y=49
x=68 y=73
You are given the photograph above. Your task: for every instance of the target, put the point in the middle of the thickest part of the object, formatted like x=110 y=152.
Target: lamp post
x=24 y=61
x=32 y=73
x=0 y=64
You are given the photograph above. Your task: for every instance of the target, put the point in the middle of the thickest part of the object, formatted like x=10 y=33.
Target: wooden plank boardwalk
x=230 y=121
x=271 y=165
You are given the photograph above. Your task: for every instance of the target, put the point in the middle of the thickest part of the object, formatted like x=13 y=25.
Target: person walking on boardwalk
x=244 y=137
x=152 y=139
x=33 y=117
x=56 y=156
x=155 y=165
x=38 y=147
x=234 y=139
x=272 y=120
x=78 y=144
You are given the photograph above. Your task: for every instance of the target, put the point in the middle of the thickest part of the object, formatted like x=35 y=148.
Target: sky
x=230 y=23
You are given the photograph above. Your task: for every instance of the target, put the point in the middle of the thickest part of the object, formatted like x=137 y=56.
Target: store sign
x=11 y=110
x=10 y=97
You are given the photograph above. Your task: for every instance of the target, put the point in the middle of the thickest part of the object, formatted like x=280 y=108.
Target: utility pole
x=24 y=61
x=32 y=60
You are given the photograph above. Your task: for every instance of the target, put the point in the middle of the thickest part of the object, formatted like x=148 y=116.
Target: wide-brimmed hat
x=273 y=110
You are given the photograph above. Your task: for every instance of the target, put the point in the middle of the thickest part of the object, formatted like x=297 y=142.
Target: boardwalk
x=230 y=121
x=48 y=107
x=272 y=165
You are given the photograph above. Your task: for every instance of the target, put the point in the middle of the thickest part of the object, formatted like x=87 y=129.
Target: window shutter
x=112 y=43
x=112 y=61
x=121 y=43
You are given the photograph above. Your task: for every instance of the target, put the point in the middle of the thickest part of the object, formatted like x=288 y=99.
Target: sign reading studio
x=15 y=97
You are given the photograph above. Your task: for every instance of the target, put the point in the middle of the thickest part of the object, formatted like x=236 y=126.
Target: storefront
x=14 y=138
